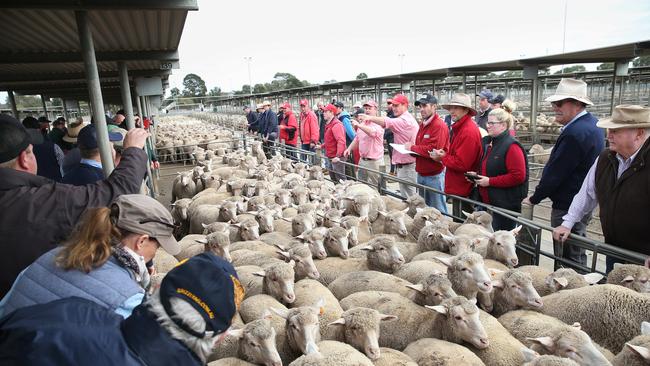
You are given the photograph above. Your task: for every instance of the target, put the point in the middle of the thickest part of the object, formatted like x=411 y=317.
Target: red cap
x=286 y=105
x=304 y=102
x=389 y=101
x=331 y=108
x=370 y=103
x=400 y=99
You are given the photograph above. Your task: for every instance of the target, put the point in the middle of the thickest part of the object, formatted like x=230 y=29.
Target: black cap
x=43 y=119
x=210 y=285
x=14 y=137
x=87 y=138
x=426 y=99
x=339 y=104
x=498 y=99
x=59 y=121
x=358 y=112
x=121 y=111
x=31 y=122
x=246 y=107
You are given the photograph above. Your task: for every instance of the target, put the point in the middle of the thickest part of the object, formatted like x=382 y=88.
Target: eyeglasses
x=559 y=103
x=493 y=123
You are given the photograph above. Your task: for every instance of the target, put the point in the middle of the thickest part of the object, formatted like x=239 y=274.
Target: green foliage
x=605 y=66
x=362 y=75
x=570 y=69
x=641 y=61
x=259 y=88
x=512 y=74
x=175 y=92
x=216 y=91
x=25 y=102
x=194 y=86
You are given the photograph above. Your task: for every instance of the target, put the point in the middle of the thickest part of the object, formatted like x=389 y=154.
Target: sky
x=340 y=39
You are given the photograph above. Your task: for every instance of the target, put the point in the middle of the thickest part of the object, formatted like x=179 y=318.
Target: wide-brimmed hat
x=266 y=102
x=627 y=116
x=461 y=100
x=72 y=132
x=571 y=89
x=259 y=106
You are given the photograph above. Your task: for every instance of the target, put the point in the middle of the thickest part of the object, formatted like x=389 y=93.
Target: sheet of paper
x=400 y=149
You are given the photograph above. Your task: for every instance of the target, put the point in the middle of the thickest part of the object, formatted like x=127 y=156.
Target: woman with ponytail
x=104 y=259
x=503 y=171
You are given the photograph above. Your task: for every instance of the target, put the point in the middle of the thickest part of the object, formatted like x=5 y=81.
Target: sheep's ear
x=428 y=223
x=593 y=278
x=516 y=230
x=301 y=237
x=418 y=210
x=283 y=254
x=280 y=246
x=406 y=210
x=259 y=274
x=368 y=248
x=339 y=321
x=627 y=279
x=644 y=352
x=467 y=214
x=546 y=342
x=561 y=282
x=577 y=325
x=382 y=213
x=529 y=354
x=446 y=261
x=438 y=309
x=616 y=265
x=283 y=313
x=419 y=287
x=201 y=241
x=385 y=317
x=237 y=333
x=497 y=284
x=645 y=328
x=237 y=224
x=292 y=263
x=204 y=225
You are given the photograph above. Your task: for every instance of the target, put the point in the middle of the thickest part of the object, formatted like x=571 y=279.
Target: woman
x=503 y=171
x=104 y=260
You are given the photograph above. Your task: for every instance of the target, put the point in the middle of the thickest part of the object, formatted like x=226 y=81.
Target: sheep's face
x=482 y=218
x=301 y=223
x=632 y=276
x=471 y=269
x=219 y=244
x=468 y=327
x=257 y=343
x=283 y=198
x=185 y=180
x=517 y=288
x=304 y=263
x=249 y=230
x=502 y=245
x=459 y=244
x=571 y=343
x=303 y=328
x=415 y=202
x=353 y=237
x=316 y=242
x=361 y=329
x=395 y=223
x=384 y=254
x=437 y=289
x=299 y=195
x=279 y=281
x=265 y=220
x=228 y=211
x=332 y=218
x=361 y=205
x=337 y=242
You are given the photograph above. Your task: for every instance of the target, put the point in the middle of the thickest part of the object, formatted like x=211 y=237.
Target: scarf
x=134 y=263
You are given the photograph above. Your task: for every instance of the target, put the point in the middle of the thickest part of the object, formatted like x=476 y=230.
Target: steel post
x=139 y=104
x=534 y=96
x=127 y=104
x=66 y=115
x=44 y=107
x=94 y=91
x=12 y=101
x=611 y=102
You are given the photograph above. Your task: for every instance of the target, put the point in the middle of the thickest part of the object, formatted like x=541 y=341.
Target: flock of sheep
x=340 y=275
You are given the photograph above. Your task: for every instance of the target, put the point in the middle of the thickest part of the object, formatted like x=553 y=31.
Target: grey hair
x=647 y=132
x=202 y=347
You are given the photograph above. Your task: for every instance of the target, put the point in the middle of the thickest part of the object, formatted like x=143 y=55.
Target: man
x=89 y=170
x=251 y=118
x=432 y=135
x=309 y=132
x=358 y=108
x=484 y=108
x=575 y=150
x=334 y=144
x=50 y=210
x=404 y=129
x=389 y=138
x=178 y=325
x=618 y=182
x=44 y=126
x=119 y=120
x=465 y=148
x=288 y=130
x=343 y=116
x=497 y=101
x=48 y=155
x=57 y=133
x=268 y=128
x=321 y=121
x=370 y=143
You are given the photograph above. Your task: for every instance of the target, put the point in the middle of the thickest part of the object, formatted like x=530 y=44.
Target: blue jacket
x=344 y=117
x=75 y=331
x=83 y=174
x=48 y=165
x=574 y=153
x=110 y=285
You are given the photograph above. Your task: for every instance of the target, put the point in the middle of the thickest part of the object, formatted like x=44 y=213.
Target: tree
x=286 y=80
x=570 y=69
x=175 y=92
x=246 y=89
x=605 y=66
x=194 y=86
x=362 y=75
x=216 y=91
x=259 y=88
x=641 y=61
x=512 y=74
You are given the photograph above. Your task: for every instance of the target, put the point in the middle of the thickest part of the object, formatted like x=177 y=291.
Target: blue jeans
x=434 y=199
x=307 y=158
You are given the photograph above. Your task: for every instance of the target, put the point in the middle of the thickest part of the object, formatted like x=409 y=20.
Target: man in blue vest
x=48 y=154
x=575 y=150
x=89 y=170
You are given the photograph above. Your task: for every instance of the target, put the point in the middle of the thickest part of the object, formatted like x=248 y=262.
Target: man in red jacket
x=465 y=148
x=288 y=127
x=432 y=135
x=334 y=143
x=309 y=132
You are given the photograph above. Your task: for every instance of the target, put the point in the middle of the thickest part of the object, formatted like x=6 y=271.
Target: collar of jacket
x=343 y=115
x=497 y=138
x=152 y=344
x=12 y=178
x=458 y=124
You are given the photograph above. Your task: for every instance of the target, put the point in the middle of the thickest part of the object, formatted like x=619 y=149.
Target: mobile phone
x=472 y=176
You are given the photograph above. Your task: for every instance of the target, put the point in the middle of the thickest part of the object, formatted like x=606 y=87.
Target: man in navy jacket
x=89 y=170
x=575 y=150
x=268 y=128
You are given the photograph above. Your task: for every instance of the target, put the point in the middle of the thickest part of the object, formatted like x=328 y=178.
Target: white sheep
x=309 y=292
x=546 y=282
x=392 y=357
x=361 y=329
x=333 y=353
x=500 y=245
x=163 y=262
x=417 y=270
x=514 y=290
x=352 y=282
x=257 y=342
x=632 y=276
x=468 y=274
x=336 y=242
x=431 y=351
x=217 y=243
x=637 y=351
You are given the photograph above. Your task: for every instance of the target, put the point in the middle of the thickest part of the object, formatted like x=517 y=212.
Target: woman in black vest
x=503 y=172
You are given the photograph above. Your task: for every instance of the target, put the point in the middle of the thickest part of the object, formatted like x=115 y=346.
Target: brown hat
x=142 y=214
x=72 y=132
x=627 y=116
x=461 y=100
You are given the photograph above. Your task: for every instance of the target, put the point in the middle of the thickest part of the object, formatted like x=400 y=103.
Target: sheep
x=301 y=223
x=391 y=357
x=332 y=218
x=455 y=319
x=183 y=186
x=547 y=335
x=253 y=285
x=257 y=343
x=300 y=254
x=300 y=195
x=425 y=216
x=538 y=154
x=514 y=290
x=417 y=270
x=432 y=290
x=632 y=276
x=179 y=210
x=436 y=352
x=637 y=351
x=352 y=223
x=217 y=243
x=336 y=242
x=500 y=245
x=333 y=353
x=230 y=361
x=245 y=230
x=393 y=204
x=352 y=282
x=546 y=282
x=467 y=274
x=276 y=237
x=302 y=327
x=264 y=218
x=435 y=237
x=534 y=359
x=481 y=218
x=361 y=329
x=610 y=314
x=279 y=281
x=394 y=222
x=283 y=197
x=432 y=255
x=315 y=238
x=414 y=202
x=504 y=349
x=163 y=262
x=310 y=292
x=255 y=203
x=221 y=227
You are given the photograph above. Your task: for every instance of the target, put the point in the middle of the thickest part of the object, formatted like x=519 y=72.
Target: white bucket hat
x=265 y=103
x=461 y=100
x=571 y=89
x=627 y=116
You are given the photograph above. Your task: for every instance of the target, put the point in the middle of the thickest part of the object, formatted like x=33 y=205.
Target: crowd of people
x=474 y=154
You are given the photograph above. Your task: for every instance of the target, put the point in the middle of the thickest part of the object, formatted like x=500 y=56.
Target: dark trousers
x=291 y=151
x=566 y=250
x=267 y=146
x=503 y=223
x=390 y=158
x=307 y=158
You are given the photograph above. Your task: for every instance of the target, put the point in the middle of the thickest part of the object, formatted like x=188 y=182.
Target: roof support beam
x=72 y=76
x=101 y=4
x=126 y=95
x=54 y=57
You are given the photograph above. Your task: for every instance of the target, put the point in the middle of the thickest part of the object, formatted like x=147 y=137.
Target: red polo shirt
x=432 y=134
